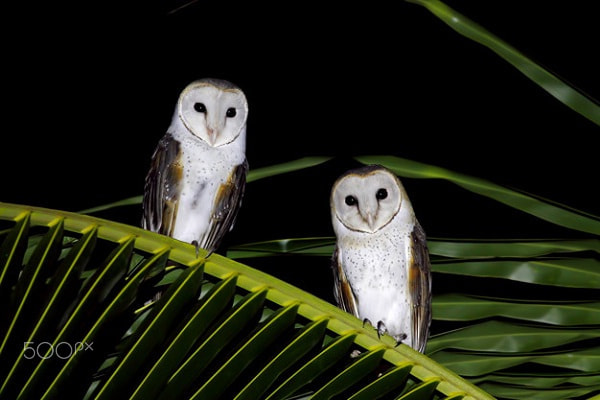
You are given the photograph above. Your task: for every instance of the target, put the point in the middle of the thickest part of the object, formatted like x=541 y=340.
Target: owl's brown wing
x=225 y=208
x=419 y=277
x=162 y=187
x=344 y=296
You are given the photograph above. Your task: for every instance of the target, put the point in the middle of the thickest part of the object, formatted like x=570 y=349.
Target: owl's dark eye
x=200 y=107
x=231 y=112
x=351 y=200
x=381 y=194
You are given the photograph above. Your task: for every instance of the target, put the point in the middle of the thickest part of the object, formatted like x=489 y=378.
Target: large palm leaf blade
x=100 y=310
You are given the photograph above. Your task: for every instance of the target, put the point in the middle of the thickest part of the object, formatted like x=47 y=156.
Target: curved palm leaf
x=572 y=98
x=97 y=309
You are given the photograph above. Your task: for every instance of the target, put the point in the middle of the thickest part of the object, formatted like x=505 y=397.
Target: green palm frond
x=99 y=310
x=559 y=89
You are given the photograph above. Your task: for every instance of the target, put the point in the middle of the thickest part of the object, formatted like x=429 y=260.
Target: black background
x=89 y=89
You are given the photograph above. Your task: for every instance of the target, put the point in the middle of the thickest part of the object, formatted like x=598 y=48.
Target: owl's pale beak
x=212 y=136
x=370 y=219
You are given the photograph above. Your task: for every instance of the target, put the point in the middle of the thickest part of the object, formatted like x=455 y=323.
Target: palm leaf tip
x=556 y=87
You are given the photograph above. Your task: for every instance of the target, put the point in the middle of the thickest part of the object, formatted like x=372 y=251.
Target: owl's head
x=213 y=110
x=366 y=199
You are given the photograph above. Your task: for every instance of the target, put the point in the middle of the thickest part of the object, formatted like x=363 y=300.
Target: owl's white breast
x=376 y=266
x=205 y=169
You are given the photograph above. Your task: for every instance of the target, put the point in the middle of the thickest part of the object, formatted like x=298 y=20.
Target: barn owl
x=381 y=264
x=197 y=177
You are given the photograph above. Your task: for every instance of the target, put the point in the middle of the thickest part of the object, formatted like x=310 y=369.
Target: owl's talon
x=381 y=329
x=195 y=243
x=365 y=321
x=400 y=338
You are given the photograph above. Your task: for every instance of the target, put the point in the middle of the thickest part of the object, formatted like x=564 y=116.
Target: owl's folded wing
x=342 y=290
x=162 y=187
x=225 y=208
x=420 y=288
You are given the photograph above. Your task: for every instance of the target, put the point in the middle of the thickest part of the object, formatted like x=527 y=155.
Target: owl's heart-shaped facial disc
x=366 y=200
